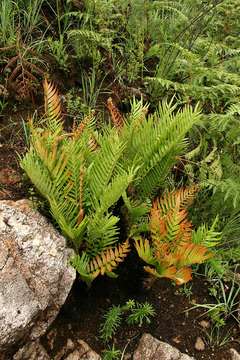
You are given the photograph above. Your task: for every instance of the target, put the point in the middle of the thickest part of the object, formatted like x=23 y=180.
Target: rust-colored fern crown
x=170 y=250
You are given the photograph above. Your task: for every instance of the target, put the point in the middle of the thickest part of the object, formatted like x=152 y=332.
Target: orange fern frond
x=187 y=195
x=189 y=254
x=51 y=100
x=171 y=251
x=109 y=259
x=180 y=276
x=183 y=275
x=116 y=116
x=180 y=198
x=77 y=129
x=168 y=272
x=185 y=229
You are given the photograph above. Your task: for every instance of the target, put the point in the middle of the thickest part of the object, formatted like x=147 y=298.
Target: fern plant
x=173 y=246
x=84 y=173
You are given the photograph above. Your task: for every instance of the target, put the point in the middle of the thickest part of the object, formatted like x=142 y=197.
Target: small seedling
x=185 y=290
x=137 y=313
x=111 y=354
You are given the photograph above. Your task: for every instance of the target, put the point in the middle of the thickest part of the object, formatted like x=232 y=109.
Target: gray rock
x=35 y=277
x=81 y=351
x=35 y=351
x=150 y=348
x=32 y=351
x=85 y=352
x=234 y=354
x=199 y=344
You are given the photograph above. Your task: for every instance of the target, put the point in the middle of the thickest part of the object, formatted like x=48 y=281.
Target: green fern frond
x=102 y=232
x=80 y=263
x=90 y=36
x=144 y=250
x=208 y=237
x=104 y=165
x=85 y=173
x=154 y=144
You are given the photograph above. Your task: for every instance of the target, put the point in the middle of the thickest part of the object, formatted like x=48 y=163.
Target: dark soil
x=82 y=313
x=12 y=144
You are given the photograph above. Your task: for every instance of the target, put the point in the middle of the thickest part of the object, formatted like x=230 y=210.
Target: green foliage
x=19 y=20
x=225 y=295
x=226 y=302
x=59 y=51
x=111 y=354
x=7 y=22
x=137 y=314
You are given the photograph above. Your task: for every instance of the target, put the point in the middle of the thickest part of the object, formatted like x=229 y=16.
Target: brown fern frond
x=93 y=144
x=116 y=116
x=158 y=226
x=77 y=130
x=185 y=231
x=51 y=100
x=11 y=62
x=170 y=228
x=24 y=74
x=109 y=259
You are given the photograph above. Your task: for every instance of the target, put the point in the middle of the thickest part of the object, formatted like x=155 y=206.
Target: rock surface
x=83 y=352
x=78 y=350
x=150 y=348
x=35 y=277
x=32 y=351
x=234 y=354
x=199 y=344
